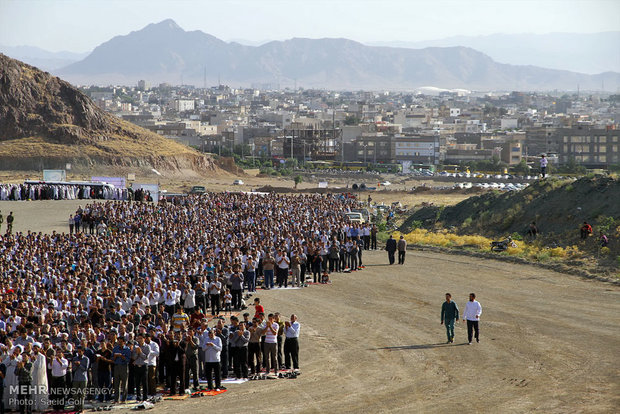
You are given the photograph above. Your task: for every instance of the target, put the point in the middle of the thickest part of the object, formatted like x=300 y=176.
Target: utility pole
x=374 y=150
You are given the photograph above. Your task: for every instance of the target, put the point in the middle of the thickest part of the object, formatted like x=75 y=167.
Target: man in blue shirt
x=121 y=355
x=81 y=364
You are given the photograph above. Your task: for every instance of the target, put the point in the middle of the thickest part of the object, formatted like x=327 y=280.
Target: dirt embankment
x=46 y=122
x=556 y=207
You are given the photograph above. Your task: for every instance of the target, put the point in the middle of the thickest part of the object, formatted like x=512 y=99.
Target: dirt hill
x=45 y=122
x=558 y=208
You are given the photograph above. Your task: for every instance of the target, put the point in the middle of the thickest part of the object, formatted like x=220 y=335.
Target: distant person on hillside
x=586 y=230
x=472 y=313
x=532 y=231
x=604 y=240
x=390 y=247
x=402 y=249
x=543 y=165
x=449 y=314
x=71 y=223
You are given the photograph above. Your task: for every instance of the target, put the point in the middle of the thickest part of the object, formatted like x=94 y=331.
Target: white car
x=386 y=183
x=238 y=182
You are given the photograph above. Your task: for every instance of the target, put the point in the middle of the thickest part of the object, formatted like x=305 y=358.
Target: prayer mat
x=207 y=392
x=176 y=397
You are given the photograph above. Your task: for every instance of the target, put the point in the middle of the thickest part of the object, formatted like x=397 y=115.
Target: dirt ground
x=224 y=182
x=371 y=342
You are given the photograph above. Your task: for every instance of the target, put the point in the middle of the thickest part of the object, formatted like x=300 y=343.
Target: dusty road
x=371 y=342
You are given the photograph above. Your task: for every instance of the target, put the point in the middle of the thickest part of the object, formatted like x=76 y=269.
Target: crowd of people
x=140 y=302
x=58 y=191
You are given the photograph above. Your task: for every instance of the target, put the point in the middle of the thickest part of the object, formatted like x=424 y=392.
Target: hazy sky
x=80 y=25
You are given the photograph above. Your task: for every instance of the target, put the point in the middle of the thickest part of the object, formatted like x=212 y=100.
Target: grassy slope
x=556 y=206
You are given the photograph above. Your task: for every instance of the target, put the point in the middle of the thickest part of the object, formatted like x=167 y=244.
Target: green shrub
x=466 y=223
x=605 y=224
x=416 y=224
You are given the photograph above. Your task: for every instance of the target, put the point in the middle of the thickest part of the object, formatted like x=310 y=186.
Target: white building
x=182 y=105
x=420 y=150
x=412 y=118
x=509 y=123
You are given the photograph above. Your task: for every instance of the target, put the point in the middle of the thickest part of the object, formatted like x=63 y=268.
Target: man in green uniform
x=449 y=313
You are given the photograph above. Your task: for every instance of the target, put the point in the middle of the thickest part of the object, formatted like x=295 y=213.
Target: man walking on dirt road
x=449 y=314
x=390 y=246
x=472 y=313
x=402 y=249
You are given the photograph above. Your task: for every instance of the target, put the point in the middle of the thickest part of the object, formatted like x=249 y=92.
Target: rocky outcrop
x=45 y=122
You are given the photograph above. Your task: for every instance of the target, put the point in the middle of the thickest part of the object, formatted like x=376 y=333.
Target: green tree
x=298 y=180
x=351 y=120
x=290 y=163
x=572 y=167
x=243 y=150
x=522 y=168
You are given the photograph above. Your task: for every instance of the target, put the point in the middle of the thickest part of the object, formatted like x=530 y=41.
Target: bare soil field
x=371 y=342
x=224 y=182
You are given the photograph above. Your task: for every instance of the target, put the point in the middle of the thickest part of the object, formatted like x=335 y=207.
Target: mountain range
x=41 y=58
x=164 y=52
x=578 y=52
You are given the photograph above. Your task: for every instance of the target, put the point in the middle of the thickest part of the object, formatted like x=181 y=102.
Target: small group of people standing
x=450 y=314
x=9 y=222
x=391 y=246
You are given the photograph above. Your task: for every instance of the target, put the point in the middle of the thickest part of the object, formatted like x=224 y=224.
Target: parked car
x=238 y=182
x=355 y=217
x=197 y=189
x=363 y=211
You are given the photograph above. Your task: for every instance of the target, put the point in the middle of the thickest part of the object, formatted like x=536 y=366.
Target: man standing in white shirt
x=151 y=363
x=472 y=313
x=291 y=343
x=212 y=348
x=283 y=262
x=543 y=166
x=271 y=345
x=58 y=367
